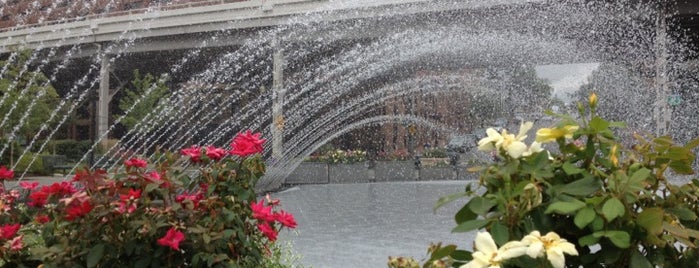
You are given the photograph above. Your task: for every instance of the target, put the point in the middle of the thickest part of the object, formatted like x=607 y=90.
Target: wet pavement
x=360 y=225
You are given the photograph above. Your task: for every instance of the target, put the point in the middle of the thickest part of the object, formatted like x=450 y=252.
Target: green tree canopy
x=20 y=86
x=147 y=103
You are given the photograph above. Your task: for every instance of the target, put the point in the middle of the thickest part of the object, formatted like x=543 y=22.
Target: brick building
x=28 y=12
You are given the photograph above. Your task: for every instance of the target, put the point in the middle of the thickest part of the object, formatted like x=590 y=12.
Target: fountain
x=306 y=72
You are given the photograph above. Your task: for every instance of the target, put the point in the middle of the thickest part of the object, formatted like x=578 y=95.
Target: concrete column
x=661 y=112
x=103 y=101
x=278 y=92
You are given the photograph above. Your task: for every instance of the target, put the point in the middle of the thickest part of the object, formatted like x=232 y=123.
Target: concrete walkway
x=42 y=180
x=360 y=225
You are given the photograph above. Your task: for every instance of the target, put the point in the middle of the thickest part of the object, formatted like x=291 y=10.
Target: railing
x=194 y=3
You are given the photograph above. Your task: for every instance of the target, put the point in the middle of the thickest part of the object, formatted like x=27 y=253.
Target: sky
x=566 y=78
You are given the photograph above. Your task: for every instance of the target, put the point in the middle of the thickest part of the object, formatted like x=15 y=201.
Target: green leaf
x=620 y=239
x=691 y=144
x=652 y=220
x=95 y=255
x=500 y=233
x=584 y=217
x=588 y=240
x=565 y=207
x=150 y=187
x=461 y=255
x=464 y=214
x=639 y=175
x=469 y=226
x=678 y=153
x=481 y=205
x=143 y=262
x=442 y=252
x=612 y=209
x=207 y=238
x=683 y=213
x=448 y=199
x=582 y=187
x=571 y=169
x=597 y=224
x=681 y=167
x=638 y=261
x=599 y=124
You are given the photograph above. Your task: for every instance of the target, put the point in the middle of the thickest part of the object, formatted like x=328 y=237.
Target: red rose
x=136 y=162
x=6 y=174
x=261 y=212
x=172 y=239
x=247 y=144
x=268 y=231
x=215 y=153
x=193 y=152
x=285 y=219
x=8 y=231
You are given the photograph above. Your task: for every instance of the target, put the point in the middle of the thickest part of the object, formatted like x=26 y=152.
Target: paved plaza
x=360 y=225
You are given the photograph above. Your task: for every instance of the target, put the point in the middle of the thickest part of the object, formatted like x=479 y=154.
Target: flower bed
x=144 y=217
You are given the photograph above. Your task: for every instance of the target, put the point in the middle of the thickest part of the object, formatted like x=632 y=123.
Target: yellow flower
x=545 y=135
x=488 y=143
x=513 y=145
x=612 y=155
x=551 y=244
x=534 y=148
x=593 y=100
x=489 y=255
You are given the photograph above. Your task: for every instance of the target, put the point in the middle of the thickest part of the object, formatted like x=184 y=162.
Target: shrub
x=138 y=217
x=598 y=202
x=346 y=157
x=435 y=153
x=37 y=167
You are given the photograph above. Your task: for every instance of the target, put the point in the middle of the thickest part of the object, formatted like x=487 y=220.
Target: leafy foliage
x=616 y=203
x=19 y=86
x=148 y=92
x=146 y=217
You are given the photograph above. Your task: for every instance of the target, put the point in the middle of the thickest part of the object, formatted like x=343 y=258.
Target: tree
x=19 y=86
x=147 y=103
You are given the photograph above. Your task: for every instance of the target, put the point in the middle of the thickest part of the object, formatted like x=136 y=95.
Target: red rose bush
x=147 y=214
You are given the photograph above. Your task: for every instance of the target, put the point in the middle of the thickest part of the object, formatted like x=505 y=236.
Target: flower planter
x=395 y=171
x=428 y=162
x=348 y=173
x=309 y=173
x=437 y=173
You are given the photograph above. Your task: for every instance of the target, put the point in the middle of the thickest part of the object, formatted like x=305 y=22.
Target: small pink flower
x=128 y=202
x=273 y=202
x=6 y=174
x=285 y=219
x=153 y=176
x=132 y=195
x=193 y=152
x=16 y=243
x=136 y=162
x=268 y=231
x=172 y=239
x=28 y=185
x=247 y=144
x=194 y=197
x=215 y=153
